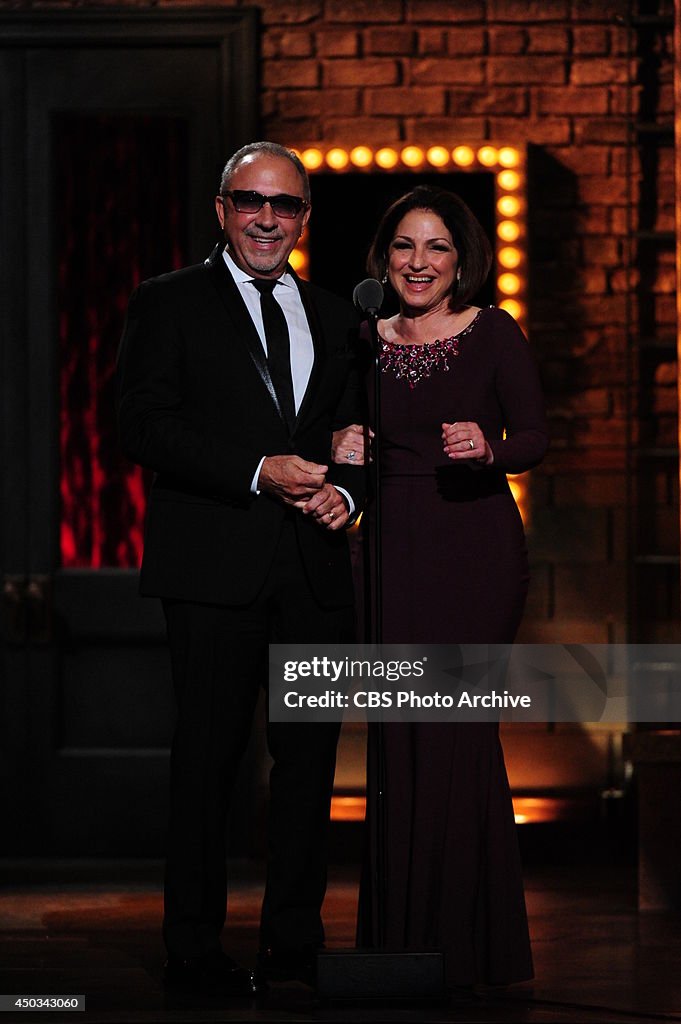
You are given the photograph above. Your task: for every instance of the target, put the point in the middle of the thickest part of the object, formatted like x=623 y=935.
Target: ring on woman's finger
x=330 y=515
x=471 y=443
x=352 y=455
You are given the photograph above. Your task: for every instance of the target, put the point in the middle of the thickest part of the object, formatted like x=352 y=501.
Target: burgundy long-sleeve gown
x=454 y=571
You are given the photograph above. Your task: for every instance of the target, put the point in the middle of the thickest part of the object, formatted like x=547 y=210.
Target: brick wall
x=553 y=74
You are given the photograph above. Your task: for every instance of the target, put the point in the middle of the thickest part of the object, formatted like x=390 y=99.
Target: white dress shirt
x=287 y=295
x=300 y=338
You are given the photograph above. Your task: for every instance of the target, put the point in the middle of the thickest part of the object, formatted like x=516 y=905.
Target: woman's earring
x=458 y=274
x=384 y=279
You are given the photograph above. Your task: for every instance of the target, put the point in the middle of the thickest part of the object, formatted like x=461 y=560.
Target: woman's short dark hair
x=472 y=244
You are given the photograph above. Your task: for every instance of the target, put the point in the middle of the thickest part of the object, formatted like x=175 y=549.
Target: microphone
x=368 y=296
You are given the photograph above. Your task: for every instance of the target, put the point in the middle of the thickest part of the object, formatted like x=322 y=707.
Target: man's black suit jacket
x=196 y=406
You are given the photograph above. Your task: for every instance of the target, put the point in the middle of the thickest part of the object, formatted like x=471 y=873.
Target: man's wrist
x=347 y=498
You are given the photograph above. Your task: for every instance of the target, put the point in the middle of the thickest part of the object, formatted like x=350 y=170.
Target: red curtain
x=120 y=194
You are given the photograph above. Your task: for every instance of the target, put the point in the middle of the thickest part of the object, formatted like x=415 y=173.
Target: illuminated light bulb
x=312 y=159
x=510 y=257
x=337 y=159
x=508 y=230
x=412 y=156
x=361 y=156
x=463 y=156
x=508 y=180
x=297 y=259
x=509 y=284
x=438 y=156
x=487 y=155
x=509 y=206
x=386 y=158
x=509 y=157
x=513 y=308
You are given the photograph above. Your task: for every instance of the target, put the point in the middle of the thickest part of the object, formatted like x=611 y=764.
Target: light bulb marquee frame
x=507 y=163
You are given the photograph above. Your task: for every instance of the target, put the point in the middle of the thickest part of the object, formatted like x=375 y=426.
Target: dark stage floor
x=93 y=929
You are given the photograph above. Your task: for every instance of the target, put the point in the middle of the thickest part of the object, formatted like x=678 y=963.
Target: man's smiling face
x=261 y=243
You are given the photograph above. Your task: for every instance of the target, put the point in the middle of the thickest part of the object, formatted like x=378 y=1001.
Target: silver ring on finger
x=352 y=455
x=471 y=443
x=330 y=515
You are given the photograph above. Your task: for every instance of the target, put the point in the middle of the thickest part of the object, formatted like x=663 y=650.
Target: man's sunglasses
x=251 y=202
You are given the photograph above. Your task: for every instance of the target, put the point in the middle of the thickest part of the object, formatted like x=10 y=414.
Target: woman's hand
x=347 y=445
x=466 y=441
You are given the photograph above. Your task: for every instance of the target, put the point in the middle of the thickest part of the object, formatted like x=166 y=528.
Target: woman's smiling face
x=422 y=261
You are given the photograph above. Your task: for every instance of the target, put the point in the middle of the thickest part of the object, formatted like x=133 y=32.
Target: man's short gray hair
x=271 y=149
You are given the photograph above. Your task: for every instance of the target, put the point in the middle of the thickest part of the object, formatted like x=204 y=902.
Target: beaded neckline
x=413 y=363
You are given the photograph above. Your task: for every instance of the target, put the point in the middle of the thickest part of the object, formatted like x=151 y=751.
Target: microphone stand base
x=363 y=974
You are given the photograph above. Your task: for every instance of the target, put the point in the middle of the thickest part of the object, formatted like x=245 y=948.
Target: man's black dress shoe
x=214 y=972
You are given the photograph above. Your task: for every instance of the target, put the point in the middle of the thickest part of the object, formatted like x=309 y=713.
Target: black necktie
x=278 y=349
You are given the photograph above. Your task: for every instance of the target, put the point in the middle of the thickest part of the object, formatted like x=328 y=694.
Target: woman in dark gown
x=461 y=406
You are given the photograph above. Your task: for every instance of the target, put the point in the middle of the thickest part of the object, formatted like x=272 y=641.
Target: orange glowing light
x=508 y=180
x=533 y=809
x=348 y=808
x=513 y=307
x=519 y=492
x=508 y=206
x=297 y=259
x=361 y=156
x=509 y=284
x=412 y=156
x=463 y=156
x=337 y=159
x=508 y=230
x=488 y=156
x=386 y=158
x=509 y=157
x=312 y=159
x=509 y=257
x=438 y=156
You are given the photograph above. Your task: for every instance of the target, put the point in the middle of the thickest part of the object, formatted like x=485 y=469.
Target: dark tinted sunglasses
x=251 y=202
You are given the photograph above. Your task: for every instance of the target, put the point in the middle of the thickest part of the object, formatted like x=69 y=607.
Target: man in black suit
x=233 y=374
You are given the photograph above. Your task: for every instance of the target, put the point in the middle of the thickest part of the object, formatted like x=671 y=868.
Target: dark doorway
x=114 y=130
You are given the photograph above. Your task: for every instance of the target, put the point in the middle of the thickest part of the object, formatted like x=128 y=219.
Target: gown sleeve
x=519 y=392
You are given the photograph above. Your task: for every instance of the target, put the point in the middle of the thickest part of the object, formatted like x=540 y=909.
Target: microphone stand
x=359 y=973
x=421 y=976
x=373 y=606
x=373 y=616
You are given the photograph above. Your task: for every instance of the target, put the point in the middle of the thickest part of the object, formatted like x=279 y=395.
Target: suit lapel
x=236 y=310
x=317 y=333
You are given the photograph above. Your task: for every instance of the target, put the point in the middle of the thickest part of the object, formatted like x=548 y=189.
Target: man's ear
x=220 y=210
